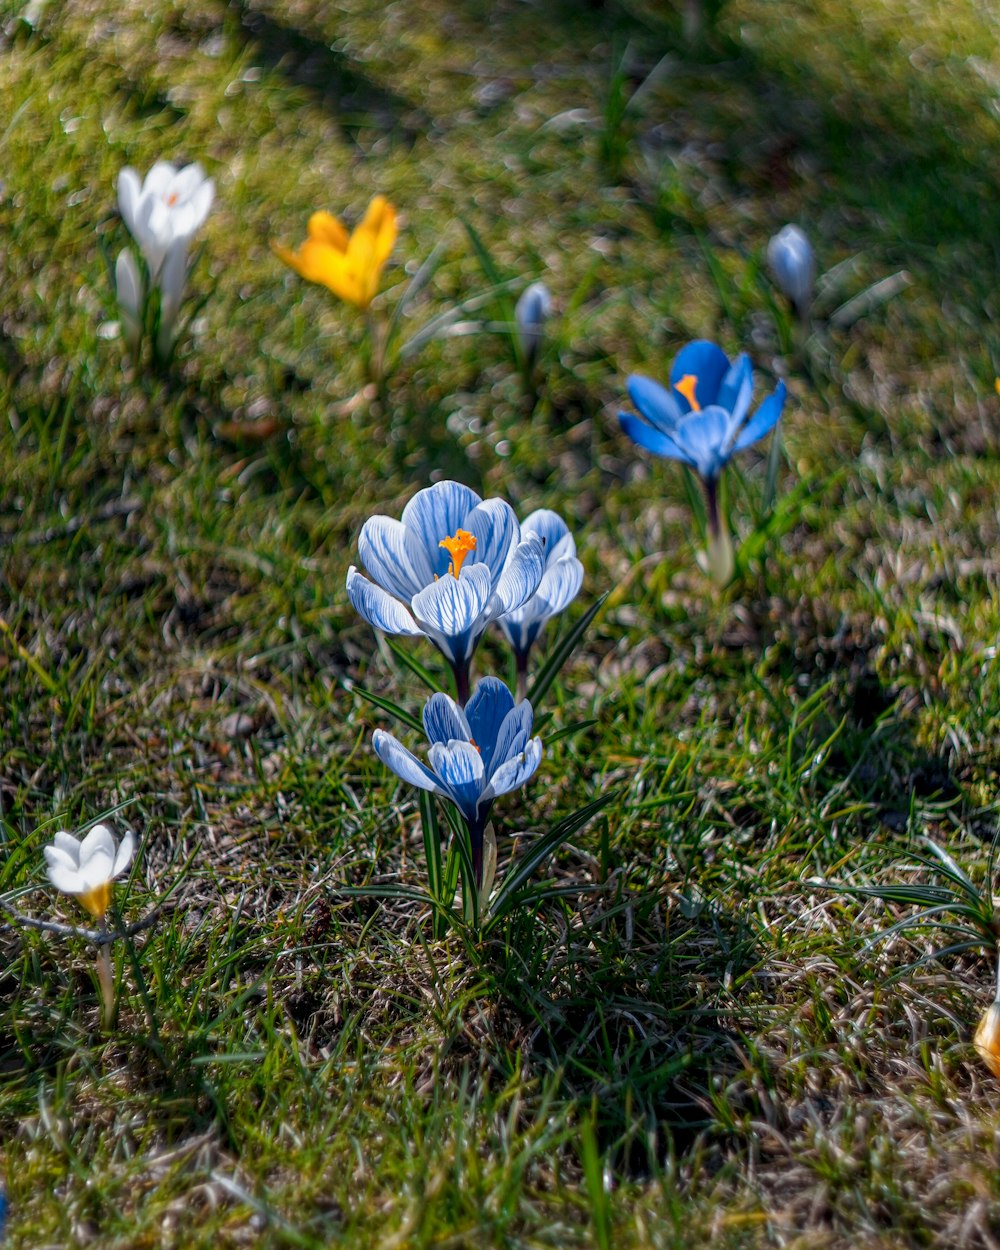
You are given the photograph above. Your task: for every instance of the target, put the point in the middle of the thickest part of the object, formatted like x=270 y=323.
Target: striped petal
x=404 y=763
x=383 y=548
x=520 y=578
x=435 y=513
x=444 y=719
x=378 y=607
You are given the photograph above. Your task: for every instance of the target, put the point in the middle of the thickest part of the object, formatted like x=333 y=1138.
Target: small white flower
x=793 y=263
x=87 y=869
x=168 y=208
x=531 y=311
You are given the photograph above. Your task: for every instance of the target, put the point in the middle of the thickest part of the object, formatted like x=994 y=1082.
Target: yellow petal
x=325 y=228
x=380 y=223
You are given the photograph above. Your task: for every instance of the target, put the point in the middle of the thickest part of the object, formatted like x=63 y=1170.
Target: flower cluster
x=452 y=565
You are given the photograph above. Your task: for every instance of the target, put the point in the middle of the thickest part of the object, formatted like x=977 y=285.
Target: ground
x=699 y=1040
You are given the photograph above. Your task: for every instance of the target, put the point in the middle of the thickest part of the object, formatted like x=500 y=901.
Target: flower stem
x=521 y=658
x=721 y=562
x=461 y=670
x=106 y=980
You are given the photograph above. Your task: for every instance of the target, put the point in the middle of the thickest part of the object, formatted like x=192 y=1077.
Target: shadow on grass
x=355 y=100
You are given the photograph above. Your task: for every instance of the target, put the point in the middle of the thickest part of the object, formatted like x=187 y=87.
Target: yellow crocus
x=348 y=264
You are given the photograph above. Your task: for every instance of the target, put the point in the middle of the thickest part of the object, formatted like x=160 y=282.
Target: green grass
x=696 y=1047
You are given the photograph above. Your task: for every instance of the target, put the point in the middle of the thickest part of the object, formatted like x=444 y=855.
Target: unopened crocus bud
x=793 y=263
x=128 y=288
x=987 y=1039
x=530 y=314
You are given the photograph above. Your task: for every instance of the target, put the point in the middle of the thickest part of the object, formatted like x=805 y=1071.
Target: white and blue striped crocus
x=476 y=754
x=703 y=420
x=559 y=586
x=449 y=567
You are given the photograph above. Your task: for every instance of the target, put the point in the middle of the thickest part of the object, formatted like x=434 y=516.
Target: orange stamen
x=172 y=198
x=687 y=386
x=458 y=548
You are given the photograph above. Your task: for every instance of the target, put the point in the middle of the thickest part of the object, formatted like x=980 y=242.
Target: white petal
x=99 y=841
x=123 y=858
x=65 y=879
x=404 y=763
x=520 y=578
x=377 y=607
x=384 y=552
x=129 y=191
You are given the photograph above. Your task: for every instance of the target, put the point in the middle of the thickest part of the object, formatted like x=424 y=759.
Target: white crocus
x=165 y=210
x=87 y=869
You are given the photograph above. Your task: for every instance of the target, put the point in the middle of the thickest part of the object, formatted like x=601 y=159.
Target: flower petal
x=514 y=773
x=520 y=578
x=63 y=878
x=444 y=719
x=450 y=610
x=123 y=857
x=129 y=191
x=99 y=841
x=658 y=405
x=435 y=513
x=653 y=440
x=486 y=712
x=708 y=363
x=459 y=767
x=704 y=436
x=512 y=735
x=377 y=607
x=736 y=390
x=385 y=554
x=326 y=229
x=552 y=530
x=494 y=524
x=763 y=420
x=404 y=763
x=69 y=845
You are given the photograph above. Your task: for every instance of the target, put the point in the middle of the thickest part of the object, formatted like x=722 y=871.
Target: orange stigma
x=458 y=548
x=687 y=386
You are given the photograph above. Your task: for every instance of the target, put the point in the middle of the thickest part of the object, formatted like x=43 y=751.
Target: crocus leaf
x=561 y=652
x=387 y=705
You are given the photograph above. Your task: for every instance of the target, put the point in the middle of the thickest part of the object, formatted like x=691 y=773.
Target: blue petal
x=708 y=363
x=451 y=610
x=736 y=390
x=705 y=438
x=643 y=434
x=404 y=763
x=793 y=263
x=379 y=608
x=444 y=719
x=495 y=526
x=763 y=420
x=552 y=530
x=658 y=405
x=513 y=735
x=435 y=513
x=486 y=712
x=382 y=548
x=520 y=578
x=515 y=772
x=459 y=767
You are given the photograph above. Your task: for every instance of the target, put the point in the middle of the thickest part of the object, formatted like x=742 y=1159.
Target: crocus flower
x=453 y=564
x=702 y=421
x=87 y=869
x=348 y=265
x=560 y=584
x=164 y=212
x=475 y=755
x=793 y=263
x=532 y=310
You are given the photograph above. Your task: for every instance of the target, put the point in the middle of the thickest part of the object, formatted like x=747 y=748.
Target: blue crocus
x=559 y=586
x=475 y=755
x=703 y=421
x=449 y=567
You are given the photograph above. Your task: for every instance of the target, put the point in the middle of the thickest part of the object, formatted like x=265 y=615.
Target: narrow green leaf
x=560 y=653
x=387 y=705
